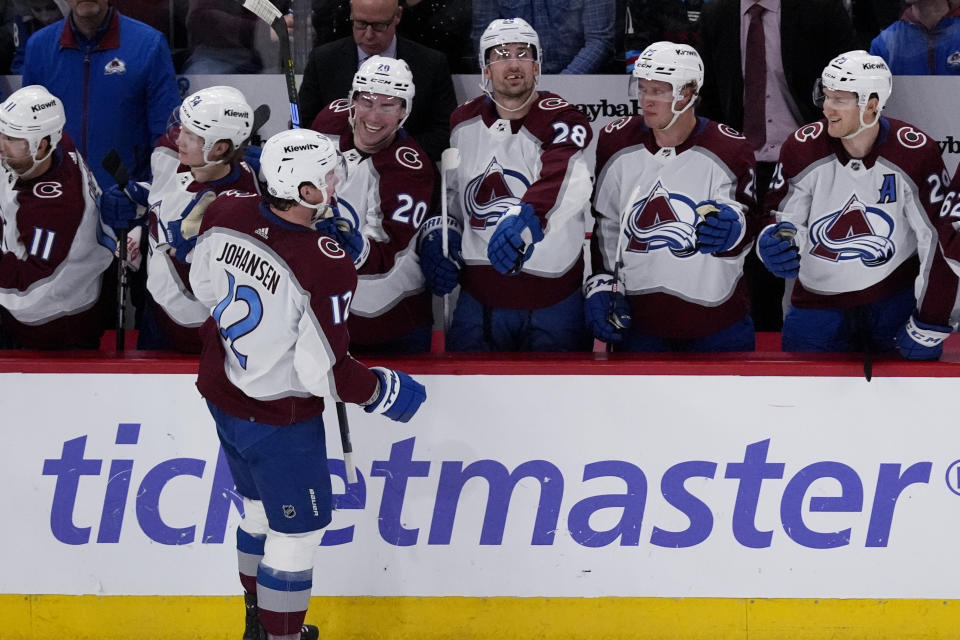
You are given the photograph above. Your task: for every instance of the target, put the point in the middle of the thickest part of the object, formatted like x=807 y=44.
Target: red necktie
x=755 y=81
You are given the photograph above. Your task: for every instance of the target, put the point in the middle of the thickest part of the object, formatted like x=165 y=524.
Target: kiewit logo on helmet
x=870 y=66
x=684 y=52
x=40 y=107
x=300 y=147
x=235 y=114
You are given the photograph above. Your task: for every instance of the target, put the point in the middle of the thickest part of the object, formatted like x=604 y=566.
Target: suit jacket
x=329 y=76
x=812 y=32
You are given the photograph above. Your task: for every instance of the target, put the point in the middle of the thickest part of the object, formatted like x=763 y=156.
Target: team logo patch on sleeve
x=330 y=248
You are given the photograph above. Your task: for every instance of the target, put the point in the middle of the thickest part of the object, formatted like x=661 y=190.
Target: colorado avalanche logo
x=663 y=220
x=855 y=232
x=488 y=196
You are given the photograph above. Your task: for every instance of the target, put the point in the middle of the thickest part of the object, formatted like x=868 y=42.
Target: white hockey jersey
x=278 y=296
x=171 y=192
x=387 y=196
x=537 y=160
x=866 y=228
x=650 y=195
x=53 y=251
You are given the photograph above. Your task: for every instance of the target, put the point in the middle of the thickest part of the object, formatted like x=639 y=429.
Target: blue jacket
x=911 y=50
x=118 y=90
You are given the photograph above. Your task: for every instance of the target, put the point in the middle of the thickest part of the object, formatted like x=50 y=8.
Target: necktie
x=755 y=81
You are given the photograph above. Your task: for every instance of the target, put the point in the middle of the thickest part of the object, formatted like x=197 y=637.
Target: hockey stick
x=449 y=160
x=612 y=316
x=113 y=164
x=260 y=116
x=272 y=16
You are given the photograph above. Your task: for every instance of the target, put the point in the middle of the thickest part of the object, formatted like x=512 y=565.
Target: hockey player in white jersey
x=518 y=197
x=53 y=250
x=675 y=218
x=274 y=353
x=853 y=215
x=386 y=196
x=198 y=158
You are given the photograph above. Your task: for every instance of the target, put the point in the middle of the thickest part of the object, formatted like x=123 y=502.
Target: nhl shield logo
x=487 y=196
x=663 y=220
x=289 y=511
x=855 y=232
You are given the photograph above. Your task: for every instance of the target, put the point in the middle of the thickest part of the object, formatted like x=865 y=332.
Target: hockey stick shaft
x=449 y=160
x=265 y=10
x=618 y=261
x=346 y=444
x=113 y=165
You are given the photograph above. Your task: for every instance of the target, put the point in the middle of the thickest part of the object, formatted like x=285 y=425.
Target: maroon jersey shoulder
x=620 y=134
x=334 y=120
x=548 y=116
x=728 y=144
x=803 y=147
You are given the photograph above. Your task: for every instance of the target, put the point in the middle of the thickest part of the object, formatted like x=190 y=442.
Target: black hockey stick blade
x=113 y=164
x=260 y=117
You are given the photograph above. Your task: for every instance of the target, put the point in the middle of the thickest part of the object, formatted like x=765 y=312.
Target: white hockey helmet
x=679 y=65
x=33 y=113
x=297 y=156
x=862 y=74
x=387 y=76
x=507 y=31
x=215 y=114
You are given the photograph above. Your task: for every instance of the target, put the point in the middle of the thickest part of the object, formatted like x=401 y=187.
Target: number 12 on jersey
x=233 y=332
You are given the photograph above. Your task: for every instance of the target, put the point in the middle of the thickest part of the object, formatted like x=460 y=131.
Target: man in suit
x=330 y=70
x=799 y=38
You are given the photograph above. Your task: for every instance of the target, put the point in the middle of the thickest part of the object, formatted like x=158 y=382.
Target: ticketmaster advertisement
x=565 y=485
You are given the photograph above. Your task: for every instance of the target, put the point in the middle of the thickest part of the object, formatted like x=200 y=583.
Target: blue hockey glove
x=778 y=250
x=607 y=313
x=921 y=341
x=119 y=210
x=399 y=395
x=181 y=234
x=251 y=155
x=442 y=274
x=513 y=238
x=347 y=236
x=720 y=229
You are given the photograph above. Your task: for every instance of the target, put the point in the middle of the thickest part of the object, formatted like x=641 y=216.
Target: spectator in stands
x=924 y=41
x=853 y=216
x=771 y=71
x=31 y=16
x=166 y=16
x=443 y=25
x=51 y=259
x=330 y=70
x=870 y=17
x=114 y=76
x=221 y=38
x=577 y=36
x=650 y=21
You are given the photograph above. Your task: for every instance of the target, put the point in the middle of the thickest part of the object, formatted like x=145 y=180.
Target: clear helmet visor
x=514 y=51
x=640 y=89
x=332 y=179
